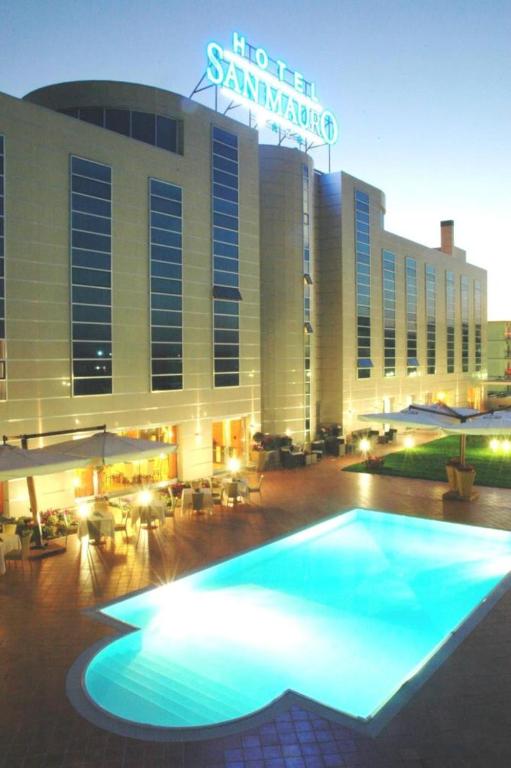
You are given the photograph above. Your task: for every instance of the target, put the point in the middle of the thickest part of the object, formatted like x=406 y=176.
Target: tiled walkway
x=460 y=718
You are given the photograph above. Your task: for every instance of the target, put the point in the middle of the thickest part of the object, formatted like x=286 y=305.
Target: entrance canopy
x=109 y=448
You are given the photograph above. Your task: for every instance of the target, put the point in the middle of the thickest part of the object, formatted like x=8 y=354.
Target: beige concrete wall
x=38 y=144
x=282 y=318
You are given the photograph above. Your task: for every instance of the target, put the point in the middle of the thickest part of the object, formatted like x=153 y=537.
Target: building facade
x=166 y=275
x=131 y=249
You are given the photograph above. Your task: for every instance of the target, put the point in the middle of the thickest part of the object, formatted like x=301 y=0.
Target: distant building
x=168 y=276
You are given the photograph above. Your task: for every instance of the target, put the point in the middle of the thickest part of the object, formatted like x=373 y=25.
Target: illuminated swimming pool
x=343 y=613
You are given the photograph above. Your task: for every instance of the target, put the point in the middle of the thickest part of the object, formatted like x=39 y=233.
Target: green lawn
x=428 y=461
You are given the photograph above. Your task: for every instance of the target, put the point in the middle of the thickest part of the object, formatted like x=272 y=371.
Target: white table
x=147 y=514
x=7 y=544
x=187 y=498
x=96 y=525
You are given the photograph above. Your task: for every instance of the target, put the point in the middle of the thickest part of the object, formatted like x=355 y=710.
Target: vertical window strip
x=225 y=240
x=166 y=285
x=411 y=316
x=91 y=277
x=3 y=355
x=464 y=324
x=430 y=318
x=389 y=313
x=363 y=284
x=450 y=303
x=478 y=324
x=307 y=299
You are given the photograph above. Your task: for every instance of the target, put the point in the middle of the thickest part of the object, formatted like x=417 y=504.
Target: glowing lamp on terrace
x=506 y=446
x=144 y=498
x=234 y=465
x=408 y=442
x=364 y=445
x=494 y=445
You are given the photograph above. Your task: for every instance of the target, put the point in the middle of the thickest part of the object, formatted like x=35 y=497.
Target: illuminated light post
x=409 y=442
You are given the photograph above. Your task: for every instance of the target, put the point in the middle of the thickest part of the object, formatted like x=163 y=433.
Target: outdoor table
x=187 y=498
x=149 y=513
x=96 y=525
x=241 y=487
x=7 y=544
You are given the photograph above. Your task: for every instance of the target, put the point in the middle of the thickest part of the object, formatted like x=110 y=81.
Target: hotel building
x=166 y=275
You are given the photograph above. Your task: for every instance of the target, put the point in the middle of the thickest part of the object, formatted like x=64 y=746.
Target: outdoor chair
x=255 y=488
x=122 y=518
x=18 y=555
x=67 y=528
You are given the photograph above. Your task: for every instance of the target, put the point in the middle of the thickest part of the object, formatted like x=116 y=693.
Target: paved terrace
x=460 y=718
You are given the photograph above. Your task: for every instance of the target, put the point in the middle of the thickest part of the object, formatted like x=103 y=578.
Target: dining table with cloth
x=7 y=544
x=97 y=524
x=148 y=513
x=241 y=487
x=187 y=499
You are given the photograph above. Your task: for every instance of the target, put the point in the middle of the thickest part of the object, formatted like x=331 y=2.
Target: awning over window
x=308 y=327
x=364 y=362
x=412 y=361
x=226 y=292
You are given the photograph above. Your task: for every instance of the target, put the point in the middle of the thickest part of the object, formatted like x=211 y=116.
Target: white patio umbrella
x=493 y=423
x=438 y=416
x=26 y=462
x=108 y=448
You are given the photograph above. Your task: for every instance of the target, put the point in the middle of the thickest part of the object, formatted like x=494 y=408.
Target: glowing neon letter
x=299 y=84
x=238 y=44
x=281 y=66
x=215 y=70
x=261 y=58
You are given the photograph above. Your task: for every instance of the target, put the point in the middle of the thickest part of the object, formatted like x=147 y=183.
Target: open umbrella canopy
x=109 y=448
x=22 y=462
x=498 y=423
x=437 y=416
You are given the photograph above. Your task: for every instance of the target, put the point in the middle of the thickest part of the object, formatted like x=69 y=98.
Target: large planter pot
x=25 y=544
x=465 y=481
x=450 y=470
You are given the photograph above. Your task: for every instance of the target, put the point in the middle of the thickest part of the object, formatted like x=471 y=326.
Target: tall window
x=363 y=284
x=464 y=324
x=2 y=273
x=307 y=297
x=166 y=218
x=226 y=293
x=478 y=324
x=450 y=312
x=430 y=318
x=389 y=313
x=91 y=277
x=411 y=316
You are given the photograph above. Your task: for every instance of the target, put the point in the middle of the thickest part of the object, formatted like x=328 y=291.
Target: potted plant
x=450 y=469
x=8 y=525
x=25 y=530
x=465 y=476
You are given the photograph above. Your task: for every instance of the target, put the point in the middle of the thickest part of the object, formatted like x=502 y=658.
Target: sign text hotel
x=271 y=90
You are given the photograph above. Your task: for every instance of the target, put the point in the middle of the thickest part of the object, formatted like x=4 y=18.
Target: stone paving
x=460 y=717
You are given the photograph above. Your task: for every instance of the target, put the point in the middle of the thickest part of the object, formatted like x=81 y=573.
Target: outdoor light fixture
x=83 y=511
x=234 y=465
x=144 y=498
x=506 y=446
x=408 y=442
x=364 y=445
x=494 y=444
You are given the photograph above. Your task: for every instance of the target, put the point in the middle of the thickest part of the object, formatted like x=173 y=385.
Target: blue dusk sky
x=421 y=90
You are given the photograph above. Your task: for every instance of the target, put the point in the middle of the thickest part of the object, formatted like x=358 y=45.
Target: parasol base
x=455 y=496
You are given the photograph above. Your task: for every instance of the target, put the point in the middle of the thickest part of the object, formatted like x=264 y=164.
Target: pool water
x=343 y=612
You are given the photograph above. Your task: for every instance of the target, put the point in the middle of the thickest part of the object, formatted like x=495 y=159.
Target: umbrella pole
x=463 y=444
x=35 y=512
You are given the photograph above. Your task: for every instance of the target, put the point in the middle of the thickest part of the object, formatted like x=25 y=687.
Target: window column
x=91 y=277
x=389 y=313
x=411 y=316
x=430 y=319
x=307 y=299
x=225 y=239
x=166 y=297
x=363 y=284
x=450 y=317
x=464 y=324
x=478 y=324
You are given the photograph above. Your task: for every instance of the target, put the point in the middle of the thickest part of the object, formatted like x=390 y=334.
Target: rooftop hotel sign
x=270 y=89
